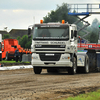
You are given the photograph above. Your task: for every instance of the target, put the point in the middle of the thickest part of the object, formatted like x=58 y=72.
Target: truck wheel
x=1 y=57
x=7 y=56
x=72 y=70
x=37 y=70
x=86 y=67
x=92 y=60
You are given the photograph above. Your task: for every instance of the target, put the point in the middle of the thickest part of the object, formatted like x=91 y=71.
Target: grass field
x=5 y=61
x=88 y=96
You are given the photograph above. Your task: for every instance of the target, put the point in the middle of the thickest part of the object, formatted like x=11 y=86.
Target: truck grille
x=50 y=46
x=49 y=50
x=55 y=57
x=43 y=48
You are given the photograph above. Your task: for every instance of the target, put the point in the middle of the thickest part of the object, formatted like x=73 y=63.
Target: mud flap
x=26 y=58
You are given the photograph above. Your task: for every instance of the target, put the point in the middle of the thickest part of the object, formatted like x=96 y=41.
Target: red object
x=8 y=47
x=89 y=46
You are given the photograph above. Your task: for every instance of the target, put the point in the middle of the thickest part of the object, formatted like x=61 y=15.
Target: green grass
x=11 y=61
x=88 y=96
x=5 y=61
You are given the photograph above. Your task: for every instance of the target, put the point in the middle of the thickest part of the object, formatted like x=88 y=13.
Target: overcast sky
x=19 y=14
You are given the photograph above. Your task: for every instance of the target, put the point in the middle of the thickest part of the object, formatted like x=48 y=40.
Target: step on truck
x=54 y=47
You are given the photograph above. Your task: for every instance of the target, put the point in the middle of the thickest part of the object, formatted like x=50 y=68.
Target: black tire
x=37 y=70
x=7 y=56
x=92 y=60
x=1 y=57
x=86 y=67
x=72 y=70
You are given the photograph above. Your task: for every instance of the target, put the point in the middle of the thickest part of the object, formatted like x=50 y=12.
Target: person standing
x=20 y=53
x=30 y=51
x=24 y=52
x=16 y=54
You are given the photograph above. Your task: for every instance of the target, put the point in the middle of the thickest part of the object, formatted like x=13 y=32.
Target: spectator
x=24 y=52
x=30 y=51
x=16 y=54
x=20 y=53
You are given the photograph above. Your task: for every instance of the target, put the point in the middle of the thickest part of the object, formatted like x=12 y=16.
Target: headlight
x=65 y=57
x=35 y=57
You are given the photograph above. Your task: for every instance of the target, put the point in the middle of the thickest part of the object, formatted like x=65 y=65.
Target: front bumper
x=64 y=61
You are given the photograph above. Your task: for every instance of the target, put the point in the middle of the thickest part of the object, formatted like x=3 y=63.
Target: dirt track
x=23 y=84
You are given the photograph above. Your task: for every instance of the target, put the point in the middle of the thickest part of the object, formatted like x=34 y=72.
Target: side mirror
x=75 y=33
x=29 y=31
x=72 y=34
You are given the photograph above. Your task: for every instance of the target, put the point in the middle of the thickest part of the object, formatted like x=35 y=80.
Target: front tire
x=37 y=70
x=72 y=70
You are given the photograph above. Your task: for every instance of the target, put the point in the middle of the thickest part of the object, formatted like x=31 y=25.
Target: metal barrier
x=26 y=58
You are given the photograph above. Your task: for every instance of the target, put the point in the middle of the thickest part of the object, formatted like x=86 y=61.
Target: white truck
x=54 y=47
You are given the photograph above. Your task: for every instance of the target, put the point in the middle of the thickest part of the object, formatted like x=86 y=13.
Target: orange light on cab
x=63 y=21
x=68 y=57
x=41 y=21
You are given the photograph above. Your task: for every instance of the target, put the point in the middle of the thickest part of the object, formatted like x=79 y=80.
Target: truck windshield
x=51 y=33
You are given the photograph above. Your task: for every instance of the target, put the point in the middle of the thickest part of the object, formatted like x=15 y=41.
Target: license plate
x=49 y=54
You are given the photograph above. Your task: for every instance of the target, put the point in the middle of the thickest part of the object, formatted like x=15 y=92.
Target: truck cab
x=54 y=46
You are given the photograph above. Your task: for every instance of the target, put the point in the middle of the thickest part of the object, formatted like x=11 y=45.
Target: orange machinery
x=8 y=48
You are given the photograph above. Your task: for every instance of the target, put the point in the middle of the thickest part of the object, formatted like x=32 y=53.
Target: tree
x=94 y=30
x=6 y=36
x=95 y=23
x=61 y=13
x=19 y=39
x=25 y=42
x=28 y=44
x=93 y=37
